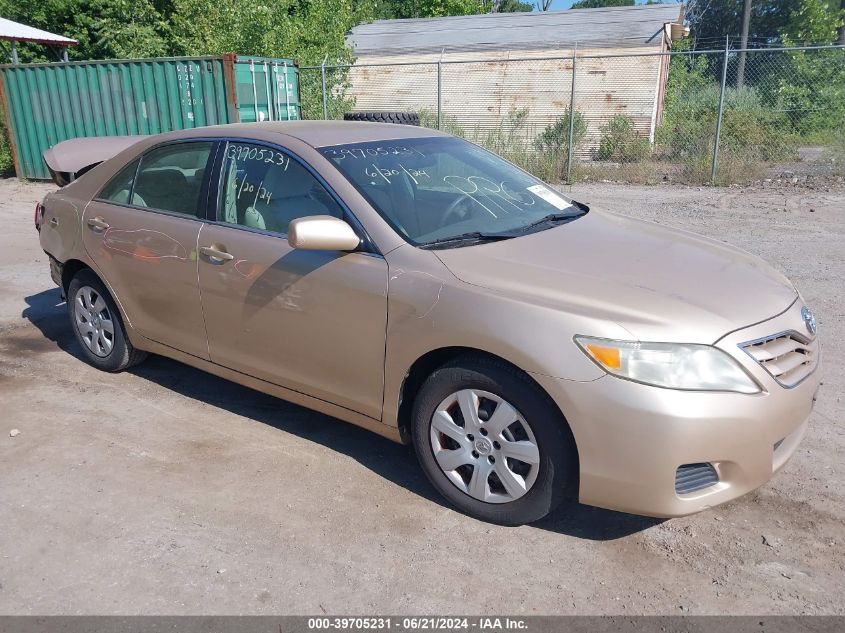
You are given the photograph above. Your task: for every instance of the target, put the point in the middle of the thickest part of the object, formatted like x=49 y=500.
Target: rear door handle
x=216 y=255
x=98 y=224
x=54 y=222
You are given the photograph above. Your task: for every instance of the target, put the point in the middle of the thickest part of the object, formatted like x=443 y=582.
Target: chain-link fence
x=723 y=117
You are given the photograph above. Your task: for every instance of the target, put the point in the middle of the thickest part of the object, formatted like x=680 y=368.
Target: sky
x=559 y=5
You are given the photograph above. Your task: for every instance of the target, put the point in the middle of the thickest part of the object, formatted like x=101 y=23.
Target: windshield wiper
x=552 y=218
x=471 y=237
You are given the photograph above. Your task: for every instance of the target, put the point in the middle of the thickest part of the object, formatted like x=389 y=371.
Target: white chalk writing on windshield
x=388 y=173
x=247 y=189
x=494 y=194
x=496 y=199
x=259 y=154
x=370 y=152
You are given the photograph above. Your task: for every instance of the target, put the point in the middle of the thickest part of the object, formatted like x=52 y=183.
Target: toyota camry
x=531 y=348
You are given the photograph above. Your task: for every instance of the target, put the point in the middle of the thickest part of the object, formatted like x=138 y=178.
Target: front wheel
x=97 y=324
x=492 y=442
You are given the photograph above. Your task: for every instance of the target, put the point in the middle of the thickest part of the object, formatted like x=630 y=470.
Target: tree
x=711 y=20
x=813 y=89
x=842 y=28
x=307 y=30
x=813 y=21
x=402 y=9
x=104 y=28
x=514 y=6
x=599 y=4
x=743 y=42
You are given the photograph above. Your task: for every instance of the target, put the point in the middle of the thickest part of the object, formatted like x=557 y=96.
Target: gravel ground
x=167 y=491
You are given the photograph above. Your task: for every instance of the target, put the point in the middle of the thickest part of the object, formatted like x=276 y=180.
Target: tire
x=403 y=118
x=546 y=483
x=112 y=351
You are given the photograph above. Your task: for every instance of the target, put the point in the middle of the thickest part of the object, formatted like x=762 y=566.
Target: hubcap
x=484 y=446
x=93 y=321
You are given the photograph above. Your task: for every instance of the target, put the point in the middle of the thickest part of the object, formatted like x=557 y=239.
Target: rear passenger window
x=120 y=187
x=170 y=177
x=264 y=188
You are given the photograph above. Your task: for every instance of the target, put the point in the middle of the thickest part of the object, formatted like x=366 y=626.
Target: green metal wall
x=48 y=103
x=267 y=89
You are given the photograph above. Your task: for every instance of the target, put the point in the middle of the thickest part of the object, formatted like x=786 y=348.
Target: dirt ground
x=167 y=491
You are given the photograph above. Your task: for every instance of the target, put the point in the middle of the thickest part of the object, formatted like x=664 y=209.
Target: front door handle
x=98 y=224
x=216 y=255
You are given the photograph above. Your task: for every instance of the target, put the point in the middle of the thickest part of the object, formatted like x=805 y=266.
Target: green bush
x=547 y=156
x=621 y=142
x=428 y=118
x=754 y=129
x=6 y=162
x=812 y=89
x=508 y=136
x=751 y=131
x=555 y=138
x=337 y=101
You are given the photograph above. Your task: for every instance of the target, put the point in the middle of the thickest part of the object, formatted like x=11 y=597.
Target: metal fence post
x=325 y=97
x=719 y=116
x=440 y=90
x=570 y=148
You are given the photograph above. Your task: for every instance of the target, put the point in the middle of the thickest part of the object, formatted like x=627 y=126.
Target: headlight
x=670 y=365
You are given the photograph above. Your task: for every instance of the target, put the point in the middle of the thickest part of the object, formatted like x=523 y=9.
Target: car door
x=311 y=321
x=141 y=231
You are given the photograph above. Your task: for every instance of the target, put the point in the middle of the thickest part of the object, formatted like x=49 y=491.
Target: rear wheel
x=97 y=325
x=492 y=442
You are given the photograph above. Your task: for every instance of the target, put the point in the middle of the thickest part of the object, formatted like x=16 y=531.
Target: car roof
x=324 y=133
x=315 y=134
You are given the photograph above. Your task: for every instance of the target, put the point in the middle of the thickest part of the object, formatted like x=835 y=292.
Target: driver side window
x=265 y=189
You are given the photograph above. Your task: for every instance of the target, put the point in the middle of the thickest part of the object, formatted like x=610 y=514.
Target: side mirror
x=322 y=233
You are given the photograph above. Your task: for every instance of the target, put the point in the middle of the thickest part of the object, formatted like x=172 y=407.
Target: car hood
x=660 y=284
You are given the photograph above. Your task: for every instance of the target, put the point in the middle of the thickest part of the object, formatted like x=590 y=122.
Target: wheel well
x=424 y=366
x=69 y=270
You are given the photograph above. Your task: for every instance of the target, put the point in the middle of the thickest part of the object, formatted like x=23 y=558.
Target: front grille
x=788 y=357
x=692 y=477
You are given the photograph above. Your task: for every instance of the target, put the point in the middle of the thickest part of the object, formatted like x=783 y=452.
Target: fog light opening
x=694 y=477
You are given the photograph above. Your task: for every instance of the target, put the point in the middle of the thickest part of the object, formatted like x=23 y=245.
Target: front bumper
x=632 y=438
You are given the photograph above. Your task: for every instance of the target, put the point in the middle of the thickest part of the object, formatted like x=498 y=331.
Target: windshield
x=441 y=189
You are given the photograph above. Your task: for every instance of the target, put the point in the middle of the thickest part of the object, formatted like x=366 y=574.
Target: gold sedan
x=421 y=287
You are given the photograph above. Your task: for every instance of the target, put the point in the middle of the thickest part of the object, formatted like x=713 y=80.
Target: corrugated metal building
x=508 y=67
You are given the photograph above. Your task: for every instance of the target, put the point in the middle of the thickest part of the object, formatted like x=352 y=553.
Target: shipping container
x=44 y=104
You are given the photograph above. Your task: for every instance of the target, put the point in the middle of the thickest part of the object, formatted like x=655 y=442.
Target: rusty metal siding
x=49 y=103
x=412 y=88
x=486 y=96
x=607 y=87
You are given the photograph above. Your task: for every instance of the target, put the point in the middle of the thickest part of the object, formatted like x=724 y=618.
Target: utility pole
x=743 y=43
